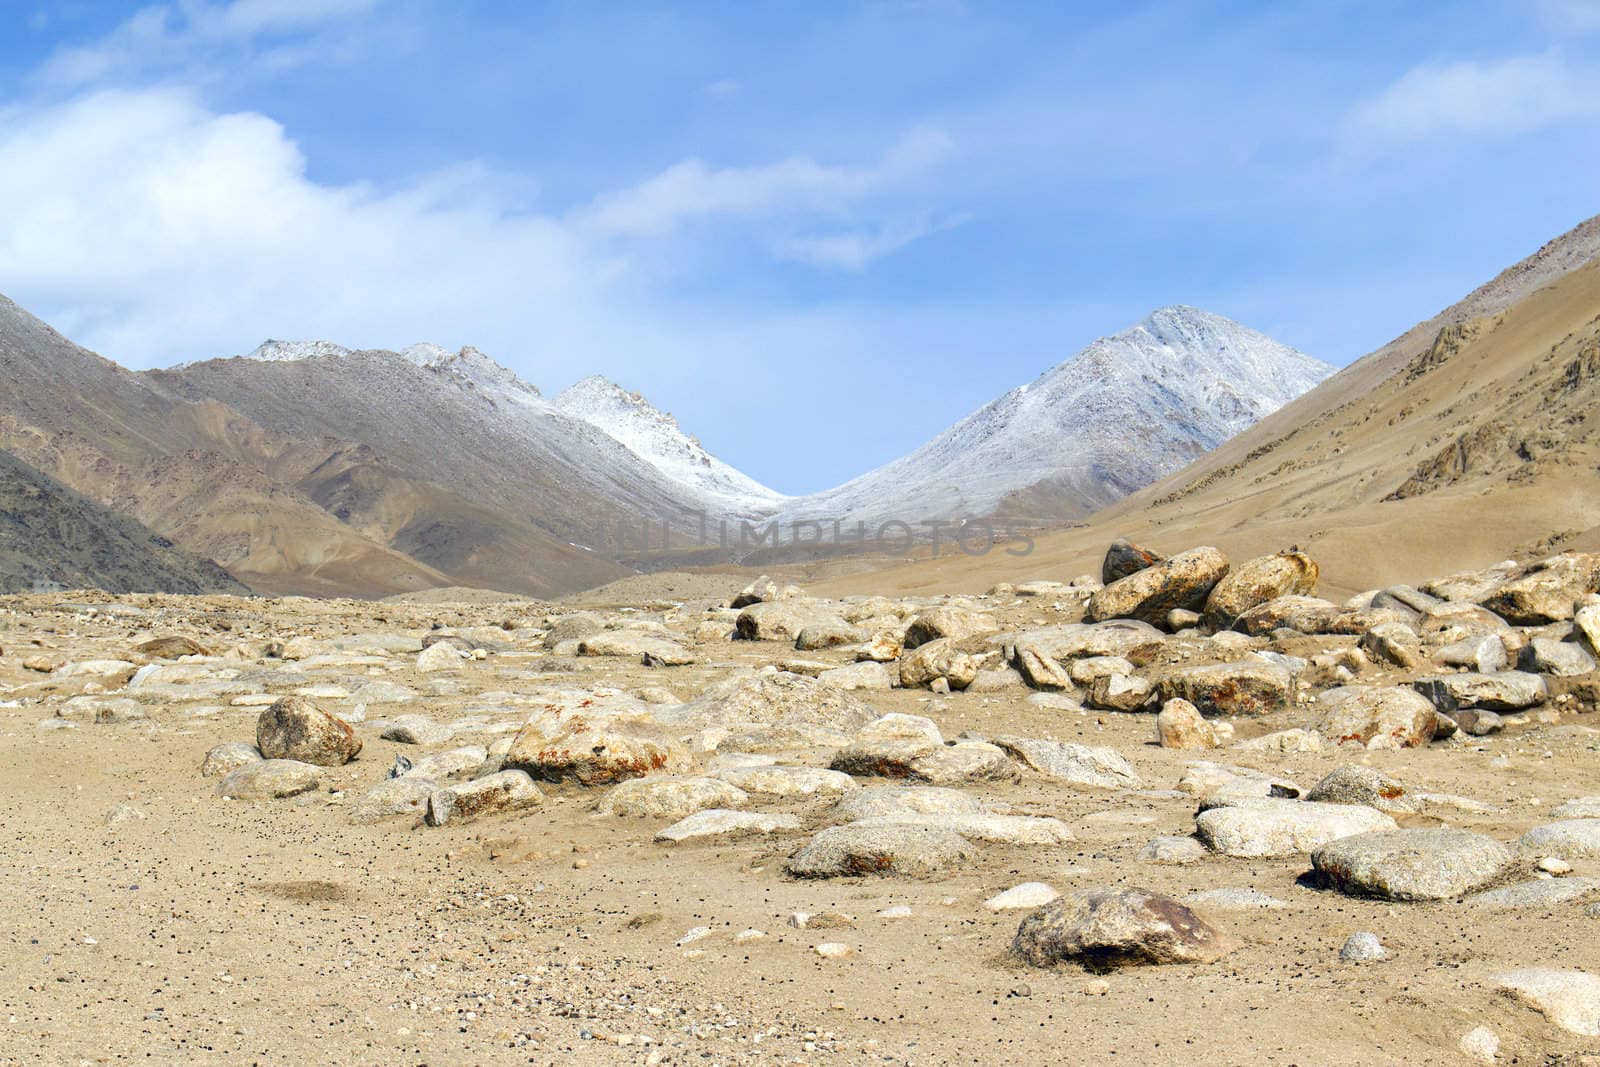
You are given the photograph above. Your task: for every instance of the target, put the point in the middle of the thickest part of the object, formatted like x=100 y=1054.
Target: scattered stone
x=964 y=761
x=1110 y=928
x=833 y=950
x=1569 y=839
x=416 y=730
x=887 y=746
x=228 y=757
x=788 y=781
x=670 y=797
x=1077 y=764
x=1230 y=689
x=1180 y=725
x=1026 y=895
x=1117 y=692
x=440 y=656
x=1176 y=851
x=500 y=792
x=1257 y=828
x=1363 y=947
x=393 y=797
x=1234 y=900
x=994 y=829
x=1560 y=659
x=1539 y=893
x=173 y=647
x=947 y=623
x=860 y=849
x=868 y=674
x=270 y=779
x=720 y=822
x=1353 y=784
x=1303 y=614
x=1478 y=722
x=905 y=800
x=937 y=660
x=1480 y=1045
x=1409 y=865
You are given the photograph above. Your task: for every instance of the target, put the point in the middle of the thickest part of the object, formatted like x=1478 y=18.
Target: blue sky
x=817 y=233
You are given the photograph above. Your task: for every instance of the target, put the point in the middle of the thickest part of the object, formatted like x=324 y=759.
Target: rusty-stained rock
x=1184 y=581
x=294 y=728
x=568 y=742
x=1124 y=558
x=1107 y=928
x=1260 y=581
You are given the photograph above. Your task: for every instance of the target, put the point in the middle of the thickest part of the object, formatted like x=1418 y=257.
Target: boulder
x=788 y=781
x=270 y=779
x=882 y=648
x=1107 y=928
x=1539 y=893
x=651 y=649
x=1547 y=591
x=294 y=728
x=1305 y=614
x=1039 y=669
x=1481 y=652
x=573 y=744
x=1560 y=659
x=771 y=700
x=1355 y=784
x=227 y=757
x=1257 y=828
x=1180 y=725
x=440 y=656
x=984 y=826
x=1408 y=865
x=1124 y=558
x=173 y=647
x=1377 y=717
x=393 y=798
x=574 y=627
x=442 y=766
x=887 y=746
x=1118 y=692
x=1078 y=640
x=1257 y=582
x=963 y=761
x=416 y=730
x=1586 y=622
x=868 y=674
x=782 y=620
x=1502 y=691
x=1394 y=643
x=1026 y=895
x=1229 y=689
x=947 y=623
x=500 y=792
x=1077 y=764
x=937 y=659
x=761 y=590
x=1220 y=781
x=670 y=797
x=1183 y=581
x=1569 y=839
x=1173 y=851
x=719 y=822
x=857 y=849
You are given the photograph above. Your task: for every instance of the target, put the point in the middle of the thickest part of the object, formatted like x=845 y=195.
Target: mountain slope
x=49 y=533
x=467 y=426
x=655 y=437
x=1126 y=410
x=1473 y=436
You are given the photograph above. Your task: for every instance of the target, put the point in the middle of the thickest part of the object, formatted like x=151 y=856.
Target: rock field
x=1183 y=808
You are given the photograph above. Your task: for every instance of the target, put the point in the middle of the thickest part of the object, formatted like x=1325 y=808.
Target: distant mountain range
x=310 y=467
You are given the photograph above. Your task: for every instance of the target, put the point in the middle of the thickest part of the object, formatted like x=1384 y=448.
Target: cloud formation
x=1494 y=99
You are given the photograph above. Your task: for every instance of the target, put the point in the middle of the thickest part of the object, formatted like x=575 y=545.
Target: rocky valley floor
x=449 y=856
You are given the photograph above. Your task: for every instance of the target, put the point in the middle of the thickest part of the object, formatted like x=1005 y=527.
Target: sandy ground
x=149 y=920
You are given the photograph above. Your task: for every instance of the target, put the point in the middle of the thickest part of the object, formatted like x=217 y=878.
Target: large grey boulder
x=1538 y=893
x=1548 y=591
x=948 y=623
x=887 y=746
x=905 y=800
x=1306 y=614
x=1409 y=865
x=1257 y=828
x=1560 y=659
x=651 y=649
x=393 y=798
x=1368 y=786
x=1108 y=928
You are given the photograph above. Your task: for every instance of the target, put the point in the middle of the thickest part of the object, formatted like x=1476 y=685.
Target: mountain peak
x=655 y=436
x=274 y=351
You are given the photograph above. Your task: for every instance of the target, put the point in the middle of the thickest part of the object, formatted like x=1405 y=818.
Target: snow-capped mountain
x=656 y=437
x=1126 y=410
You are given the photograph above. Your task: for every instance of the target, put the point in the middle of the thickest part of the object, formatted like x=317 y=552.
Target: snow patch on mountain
x=272 y=351
x=1117 y=416
x=655 y=436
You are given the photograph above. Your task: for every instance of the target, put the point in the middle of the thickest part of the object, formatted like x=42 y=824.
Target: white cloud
x=722 y=89
x=1497 y=98
x=170 y=35
x=693 y=190
x=855 y=249
x=153 y=229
